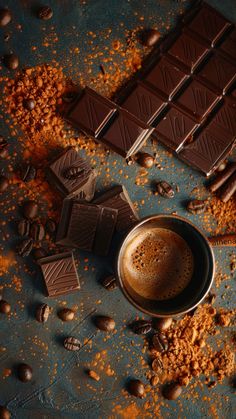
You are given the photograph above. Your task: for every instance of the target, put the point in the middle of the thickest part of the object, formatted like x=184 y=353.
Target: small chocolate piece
x=228 y=189
x=165 y=189
x=24 y=372
x=30 y=209
x=162 y=324
x=29 y=104
x=28 y=173
x=11 y=61
x=222 y=177
x=45 y=13
x=172 y=391
x=142 y=327
x=118 y=198
x=42 y=313
x=105 y=323
x=150 y=37
x=37 y=231
x=110 y=283
x=136 y=388
x=39 y=253
x=25 y=247
x=4 y=413
x=3 y=147
x=50 y=226
x=66 y=315
x=197 y=206
x=72 y=344
x=5 y=17
x=60 y=274
x=4 y=183
x=145 y=160
x=159 y=342
x=23 y=228
x=5 y=307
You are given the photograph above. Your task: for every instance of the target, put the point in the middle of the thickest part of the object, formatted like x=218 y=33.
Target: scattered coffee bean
x=165 y=189
x=30 y=209
x=4 y=183
x=4 y=413
x=150 y=37
x=145 y=160
x=154 y=380
x=50 y=226
x=68 y=97
x=157 y=365
x=196 y=206
x=160 y=342
x=172 y=391
x=73 y=173
x=23 y=228
x=142 y=327
x=72 y=344
x=29 y=104
x=162 y=324
x=45 y=13
x=11 y=61
x=5 y=17
x=42 y=313
x=105 y=323
x=25 y=247
x=24 y=373
x=39 y=253
x=136 y=388
x=5 y=307
x=37 y=231
x=3 y=147
x=66 y=314
x=28 y=173
x=109 y=283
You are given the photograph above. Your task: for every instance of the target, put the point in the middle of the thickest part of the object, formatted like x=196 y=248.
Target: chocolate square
x=91 y=112
x=218 y=73
x=224 y=121
x=229 y=47
x=188 y=51
x=197 y=100
x=60 y=274
x=174 y=129
x=144 y=103
x=82 y=184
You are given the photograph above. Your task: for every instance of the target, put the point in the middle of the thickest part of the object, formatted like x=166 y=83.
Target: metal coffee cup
x=203 y=271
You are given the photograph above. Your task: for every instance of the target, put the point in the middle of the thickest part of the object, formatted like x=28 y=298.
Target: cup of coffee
x=165 y=266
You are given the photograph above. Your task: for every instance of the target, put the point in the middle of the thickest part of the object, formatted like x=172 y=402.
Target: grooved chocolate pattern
x=105 y=230
x=82 y=225
x=229 y=48
x=219 y=73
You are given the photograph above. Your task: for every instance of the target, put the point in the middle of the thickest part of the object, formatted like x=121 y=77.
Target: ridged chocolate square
x=224 y=121
x=229 y=47
x=105 y=230
x=60 y=274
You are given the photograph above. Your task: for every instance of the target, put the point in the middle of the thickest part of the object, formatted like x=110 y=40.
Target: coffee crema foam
x=158 y=263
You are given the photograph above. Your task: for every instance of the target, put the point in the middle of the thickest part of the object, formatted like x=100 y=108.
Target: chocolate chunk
x=136 y=388
x=5 y=307
x=150 y=37
x=109 y=283
x=105 y=323
x=228 y=189
x=11 y=61
x=142 y=327
x=165 y=189
x=30 y=209
x=24 y=373
x=4 y=183
x=23 y=228
x=45 y=13
x=42 y=313
x=60 y=274
x=118 y=198
x=25 y=247
x=172 y=391
x=197 y=206
x=28 y=173
x=5 y=17
x=37 y=231
x=72 y=344
x=222 y=177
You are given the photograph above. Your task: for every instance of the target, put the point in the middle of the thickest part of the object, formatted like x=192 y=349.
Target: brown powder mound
x=223 y=213
x=189 y=355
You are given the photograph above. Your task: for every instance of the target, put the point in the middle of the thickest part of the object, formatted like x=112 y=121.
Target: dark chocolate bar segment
x=60 y=274
x=229 y=47
x=91 y=112
x=224 y=121
x=174 y=129
x=105 y=230
x=118 y=198
x=144 y=103
x=209 y=25
x=166 y=78
x=197 y=100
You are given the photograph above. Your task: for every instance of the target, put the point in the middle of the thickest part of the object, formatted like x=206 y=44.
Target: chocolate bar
x=60 y=274
x=118 y=198
x=86 y=226
x=72 y=175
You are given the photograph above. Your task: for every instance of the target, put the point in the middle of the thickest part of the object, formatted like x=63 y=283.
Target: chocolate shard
x=118 y=198
x=60 y=274
x=105 y=230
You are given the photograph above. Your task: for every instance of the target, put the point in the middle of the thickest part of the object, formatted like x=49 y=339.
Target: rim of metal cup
x=118 y=264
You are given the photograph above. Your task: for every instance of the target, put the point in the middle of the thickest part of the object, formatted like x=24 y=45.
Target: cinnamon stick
x=222 y=177
x=223 y=240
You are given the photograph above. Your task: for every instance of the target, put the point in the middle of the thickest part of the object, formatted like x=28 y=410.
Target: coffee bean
x=30 y=209
x=109 y=283
x=150 y=37
x=23 y=228
x=25 y=247
x=172 y=391
x=162 y=324
x=105 y=323
x=50 y=226
x=4 y=413
x=29 y=104
x=28 y=173
x=160 y=342
x=145 y=160
x=197 y=206
x=39 y=253
x=157 y=365
x=165 y=189
x=37 y=231
x=66 y=314
x=3 y=147
x=4 y=183
x=73 y=173
x=5 y=17
x=154 y=380
x=42 y=313
x=45 y=13
x=72 y=344
x=11 y=61
x=142 y=327
x=136 y=388
x=5 y=307
x=24 y=373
